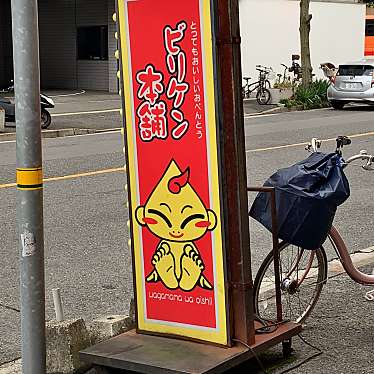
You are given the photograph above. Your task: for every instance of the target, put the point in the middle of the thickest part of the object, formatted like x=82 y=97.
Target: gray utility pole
x=29 y=183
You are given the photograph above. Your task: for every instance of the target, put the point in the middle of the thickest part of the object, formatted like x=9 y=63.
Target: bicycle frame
x=257 y=85
x=341 y=250
x=346 y=261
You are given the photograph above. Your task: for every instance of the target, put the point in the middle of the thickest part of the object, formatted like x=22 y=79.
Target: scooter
x=10 y=108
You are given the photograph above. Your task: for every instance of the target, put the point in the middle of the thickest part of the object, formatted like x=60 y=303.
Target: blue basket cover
x=307 y=196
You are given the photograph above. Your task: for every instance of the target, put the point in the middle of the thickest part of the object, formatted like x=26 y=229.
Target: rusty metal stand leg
x=287 y=348
x=235 y=178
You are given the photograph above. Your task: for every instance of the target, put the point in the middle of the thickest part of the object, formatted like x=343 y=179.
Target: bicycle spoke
x=295 y=265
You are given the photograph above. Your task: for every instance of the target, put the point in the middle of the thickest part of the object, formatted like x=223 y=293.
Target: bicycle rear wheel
x=302 y=274
x=263 y=96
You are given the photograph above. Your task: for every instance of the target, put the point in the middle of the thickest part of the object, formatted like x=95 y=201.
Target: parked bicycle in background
x=261 y=86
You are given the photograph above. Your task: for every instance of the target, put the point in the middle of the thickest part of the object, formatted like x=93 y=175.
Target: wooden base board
x=151 y=354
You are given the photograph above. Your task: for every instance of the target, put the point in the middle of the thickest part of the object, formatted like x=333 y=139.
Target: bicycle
x=263 y=95
x=303 y=273
x=283 y=80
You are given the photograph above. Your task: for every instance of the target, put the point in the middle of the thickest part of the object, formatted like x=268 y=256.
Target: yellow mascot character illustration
x=175 y=213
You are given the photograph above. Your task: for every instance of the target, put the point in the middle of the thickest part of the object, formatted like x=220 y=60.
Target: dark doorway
x=6 y=51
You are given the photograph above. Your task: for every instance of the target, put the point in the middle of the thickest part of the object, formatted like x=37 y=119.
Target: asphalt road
x=85 y=215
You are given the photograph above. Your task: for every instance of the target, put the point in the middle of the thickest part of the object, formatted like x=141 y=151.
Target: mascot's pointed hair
x=176 y=183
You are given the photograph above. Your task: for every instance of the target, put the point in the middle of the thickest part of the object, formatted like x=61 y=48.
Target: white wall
x=270 y=33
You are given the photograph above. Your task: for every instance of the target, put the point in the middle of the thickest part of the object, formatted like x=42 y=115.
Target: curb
x=272 y=110
x=360 y=258
x=283 y=109
x=60 y=133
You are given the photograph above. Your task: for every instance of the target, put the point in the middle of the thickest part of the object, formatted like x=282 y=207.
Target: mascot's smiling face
x=174 y=211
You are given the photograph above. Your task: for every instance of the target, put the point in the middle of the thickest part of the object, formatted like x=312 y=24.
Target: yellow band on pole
x=29 y=178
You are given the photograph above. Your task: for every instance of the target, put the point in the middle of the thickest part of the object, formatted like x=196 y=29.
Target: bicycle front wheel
x=263 y=96
x=302 y=276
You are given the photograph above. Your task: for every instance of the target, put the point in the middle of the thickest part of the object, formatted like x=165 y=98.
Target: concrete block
x=14 y=367
x=2 y=120
x=277 y=94
x=107 y=327
x=64 y=341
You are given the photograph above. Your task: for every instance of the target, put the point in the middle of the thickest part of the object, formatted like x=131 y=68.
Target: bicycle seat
x=247 y=78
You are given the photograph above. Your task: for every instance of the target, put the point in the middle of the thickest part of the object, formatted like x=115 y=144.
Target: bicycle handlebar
x=364 y=156
x=315 y=144
x=264 y=70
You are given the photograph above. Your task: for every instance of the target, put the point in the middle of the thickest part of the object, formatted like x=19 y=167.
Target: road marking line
x=9 y=185
x=275 y=147
x=90 y=101
x=72 y=94
x=90 y=112
x=121 y=169
x=247 y=116
x=305 y=143
x=72 y=176
x=87 y=174
x=104 y=101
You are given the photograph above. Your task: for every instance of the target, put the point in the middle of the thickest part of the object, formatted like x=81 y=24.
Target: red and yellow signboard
x=173 y=166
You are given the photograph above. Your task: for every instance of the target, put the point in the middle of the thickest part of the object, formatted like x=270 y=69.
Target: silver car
x=354 y=82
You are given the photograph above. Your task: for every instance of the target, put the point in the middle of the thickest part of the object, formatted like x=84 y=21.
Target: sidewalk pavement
x=341 y=327
x=340 y=332
x=251 y=107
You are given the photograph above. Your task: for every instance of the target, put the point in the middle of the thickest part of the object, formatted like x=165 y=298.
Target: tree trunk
x=306 y=64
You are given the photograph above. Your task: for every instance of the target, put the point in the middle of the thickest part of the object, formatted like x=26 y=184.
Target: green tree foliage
x=311 y=97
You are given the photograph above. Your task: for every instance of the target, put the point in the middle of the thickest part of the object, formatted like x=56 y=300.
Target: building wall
x=270 y=33
x=6 y=59
x=57 y=33
x=58 y=22
x=112 y=47
x=92 y=75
